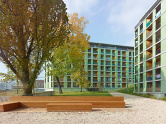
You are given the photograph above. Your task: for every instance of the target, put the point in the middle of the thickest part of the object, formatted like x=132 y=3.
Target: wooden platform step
x=7 y=106
x=67 y=107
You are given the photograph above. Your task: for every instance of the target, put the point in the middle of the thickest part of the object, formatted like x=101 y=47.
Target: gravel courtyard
x=138 y=111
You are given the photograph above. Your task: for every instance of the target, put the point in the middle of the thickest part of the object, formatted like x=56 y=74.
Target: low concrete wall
x=48 y=93
x=4 y=98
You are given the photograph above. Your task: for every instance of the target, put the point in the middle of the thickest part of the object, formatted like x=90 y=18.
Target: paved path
x=138 y=110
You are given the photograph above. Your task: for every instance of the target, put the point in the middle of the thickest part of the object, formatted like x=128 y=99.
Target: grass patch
x=131 y=89
x=87 y=93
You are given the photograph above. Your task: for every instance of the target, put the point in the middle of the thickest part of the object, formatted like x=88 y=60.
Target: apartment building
x=150 y=51
x=108 y=66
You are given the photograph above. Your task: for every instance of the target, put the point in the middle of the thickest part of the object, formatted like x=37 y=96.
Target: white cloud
x=80 y=6
x=125 y=14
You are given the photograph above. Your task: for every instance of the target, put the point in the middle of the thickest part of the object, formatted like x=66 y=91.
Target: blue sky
x=110 y=21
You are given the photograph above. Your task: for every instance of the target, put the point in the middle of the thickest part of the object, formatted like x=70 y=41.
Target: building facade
x=108 y=66
x=150 y=51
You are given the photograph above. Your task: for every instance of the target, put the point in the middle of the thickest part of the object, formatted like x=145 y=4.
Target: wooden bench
x=96 y=101
x=7 y=106
x=95 y=104
x=65 y=107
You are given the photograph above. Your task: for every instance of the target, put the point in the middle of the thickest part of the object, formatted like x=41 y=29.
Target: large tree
x=29 y=31
x=68 y=58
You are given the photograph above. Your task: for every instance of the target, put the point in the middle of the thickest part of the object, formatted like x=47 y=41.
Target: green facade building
x=150 y=51
x=108 y=66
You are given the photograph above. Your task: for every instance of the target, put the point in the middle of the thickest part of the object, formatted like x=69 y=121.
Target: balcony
x=149 y=45
x=141 y=50
x=149 y=89
x=113 y=64
x=158 y=89
x=108 y=64
x=123 y=75
x=158 y=76
x=95 y=68
x=158 y=14
x=102 y=63
x=136 y=34
x=107 y=52
x=141 y=59
x=136 y=43
x=119 y=59
x=158 y=26
x=141 y=40
x=95 y=51
x=102 y=52
x=158 y=39
x=113 y=53
x=150 y=22
x=123 y=59
x=113 y=69
x=149 y=67
x=95 y=63
x=149 y=78
x=123 y=64
x=107 y=80
x=108 y=69
x=94 y=80
x=149 y=33
x=136 y=62
x=136 y=53
x=149 y=56
x=89 y=62
x=141 y=69
x=108 y=58
x=141 y=30
x=158 y=51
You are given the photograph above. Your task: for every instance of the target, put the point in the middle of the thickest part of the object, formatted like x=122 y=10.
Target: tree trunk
x=81 y=89
x=59 y=86
x=27 y=89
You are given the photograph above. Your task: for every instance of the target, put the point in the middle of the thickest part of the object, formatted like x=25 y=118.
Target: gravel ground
x=138 y=110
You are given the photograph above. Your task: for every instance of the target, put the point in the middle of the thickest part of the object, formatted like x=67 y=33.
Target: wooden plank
x=95 y=104
x=7 y=106
x=65 y=98
x=67 y=107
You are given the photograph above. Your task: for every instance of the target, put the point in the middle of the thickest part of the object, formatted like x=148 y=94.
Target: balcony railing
x=113 y=69
x=123 y=59
x=158 y=26
x=158 y=14
x=158 y=89
x=149 y=78
x=148 y=45
x=123 y=64
x=136 y=62
x=95 y=63
x=107 y=52
x=95 y=51
x=89 y=68
x=149 y=67
x=95 y=80
x=147 y=24
x=89 y=62
x=107 y=80
x=158 y=76
x=136 y=53
x=113 y=53
x=136 y=43
x=149 y=89
x=108 y=69
x=113 y=64
x=141 y=60
x=141 y=40
x=141 y=50
x=150 y=33
x=136 y=34
x=123 y=75
x=141 y=30
x=149 y=56
x=158 y=39
x=141 y=69
x=102 y=52
x=108 y=64
x=102 y=63
x=158 y=51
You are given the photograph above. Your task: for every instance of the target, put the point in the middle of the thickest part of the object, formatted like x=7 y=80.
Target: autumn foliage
x=29 y=31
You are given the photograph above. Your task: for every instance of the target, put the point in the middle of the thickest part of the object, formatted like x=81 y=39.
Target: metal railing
x=149 y=23
x=148 y=34
x=158 y=51
x=158 y=14
x=149 y=78
x=148 y=45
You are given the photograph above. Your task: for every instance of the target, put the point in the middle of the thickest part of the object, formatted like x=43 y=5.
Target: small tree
x=29 y=31
x=68 y=59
